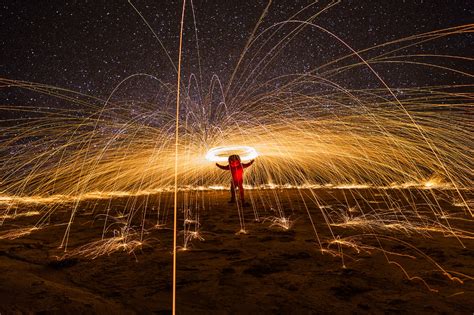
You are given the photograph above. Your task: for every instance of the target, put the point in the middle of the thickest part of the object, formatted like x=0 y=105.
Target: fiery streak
x=17 y=233
x=19 y=215
x=119 y=242
x=383 y=221
x=355 y=243
x=282 y=222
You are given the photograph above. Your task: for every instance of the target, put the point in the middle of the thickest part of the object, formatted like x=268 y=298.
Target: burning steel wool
x=221 y=154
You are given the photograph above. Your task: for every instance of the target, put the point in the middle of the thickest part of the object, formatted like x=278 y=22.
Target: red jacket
x=236 y=169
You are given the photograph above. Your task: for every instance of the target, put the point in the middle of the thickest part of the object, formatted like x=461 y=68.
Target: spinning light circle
x=221 y=154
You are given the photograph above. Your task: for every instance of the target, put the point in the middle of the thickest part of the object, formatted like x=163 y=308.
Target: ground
x=267 y=270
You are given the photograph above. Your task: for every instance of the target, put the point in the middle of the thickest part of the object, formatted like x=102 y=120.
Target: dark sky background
x=90 y=46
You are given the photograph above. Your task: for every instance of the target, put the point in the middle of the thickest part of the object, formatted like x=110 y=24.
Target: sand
x=267 y=270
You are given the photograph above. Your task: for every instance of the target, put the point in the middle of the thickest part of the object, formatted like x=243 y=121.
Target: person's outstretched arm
x=245 y=165
x=223 y=167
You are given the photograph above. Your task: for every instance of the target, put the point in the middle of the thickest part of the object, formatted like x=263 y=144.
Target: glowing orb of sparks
x=221 y=154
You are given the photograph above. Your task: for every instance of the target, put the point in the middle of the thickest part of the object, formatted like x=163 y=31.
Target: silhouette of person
x=237 y=170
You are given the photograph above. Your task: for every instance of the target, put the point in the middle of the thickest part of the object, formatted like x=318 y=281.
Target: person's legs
x=232 y=192
x=242 y=197
x=241 y=192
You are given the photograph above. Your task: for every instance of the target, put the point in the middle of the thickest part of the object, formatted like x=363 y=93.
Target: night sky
x=90 y=46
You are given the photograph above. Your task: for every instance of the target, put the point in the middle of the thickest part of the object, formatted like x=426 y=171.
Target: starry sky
x=90 y=46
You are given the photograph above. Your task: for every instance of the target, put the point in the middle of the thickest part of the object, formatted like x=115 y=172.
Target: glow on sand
x=312 y=131
x=221 y=154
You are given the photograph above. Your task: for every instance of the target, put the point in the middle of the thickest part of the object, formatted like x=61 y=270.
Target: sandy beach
x=267 y=270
